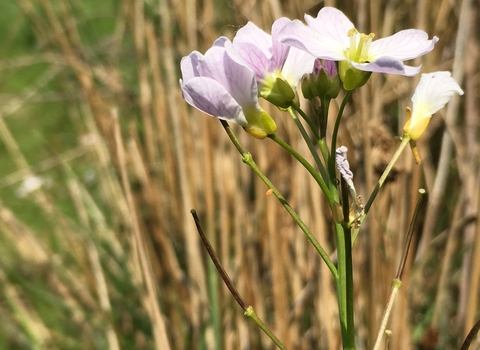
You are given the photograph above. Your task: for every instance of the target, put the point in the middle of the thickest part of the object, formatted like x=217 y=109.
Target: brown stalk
x=158 y=322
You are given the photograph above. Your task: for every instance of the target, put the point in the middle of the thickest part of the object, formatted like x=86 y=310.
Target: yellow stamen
x=367 y=39
x=352 y=33
x=358 y=52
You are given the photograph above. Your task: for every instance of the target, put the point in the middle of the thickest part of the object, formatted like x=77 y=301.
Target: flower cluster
x=227 y=81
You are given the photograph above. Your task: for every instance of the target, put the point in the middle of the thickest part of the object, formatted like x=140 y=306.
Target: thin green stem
x=248 y=159
x=251 y=313
x=387 y=170
x=306 y=165
x=381 y=181
x=305 y=117
x=310 y=145
x=331 y=164
x=323 y=117
x=321 y=142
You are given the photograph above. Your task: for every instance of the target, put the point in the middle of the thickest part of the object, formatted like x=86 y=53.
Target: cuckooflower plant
x=278 y=67
x=217 y=85
x=228 y=79
x=332 y=36
x=432 y=93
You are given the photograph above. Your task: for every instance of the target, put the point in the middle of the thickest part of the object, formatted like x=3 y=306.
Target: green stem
x=350 y=341
x=345 y=274
x=310 y=145
x=306 y=118
x=306 y=165
x=248 y=159
x=331 y=164
x=251 y=313
x=320 y=139
x=323 y=117
x=345 y=285
x=405 y=140
x=381 y=181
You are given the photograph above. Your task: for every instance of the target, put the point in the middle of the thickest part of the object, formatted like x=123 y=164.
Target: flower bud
x=278 y=92
x=260 y=125
x=433 y=92
x=323 y=82
x=352 y=77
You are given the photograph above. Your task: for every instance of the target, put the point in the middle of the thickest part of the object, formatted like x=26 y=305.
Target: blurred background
x=101 y=161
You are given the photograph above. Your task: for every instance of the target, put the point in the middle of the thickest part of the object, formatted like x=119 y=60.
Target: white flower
x=432 y=93
x=331 y=36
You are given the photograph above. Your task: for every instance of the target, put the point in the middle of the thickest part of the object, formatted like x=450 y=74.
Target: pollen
x=352 y=32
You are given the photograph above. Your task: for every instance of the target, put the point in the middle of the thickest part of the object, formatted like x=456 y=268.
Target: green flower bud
x=352 y=77
x=260 y=124
x=323 y=82
x=278 y=92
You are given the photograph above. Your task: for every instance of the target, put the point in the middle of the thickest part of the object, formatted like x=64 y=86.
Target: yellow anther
x=366 y=37
x=352 y=32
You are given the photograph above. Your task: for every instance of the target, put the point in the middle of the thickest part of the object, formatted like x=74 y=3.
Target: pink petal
x=189 y=64
x=210 y=97
x=249 y=55
x=241 y=83
x=251 y=34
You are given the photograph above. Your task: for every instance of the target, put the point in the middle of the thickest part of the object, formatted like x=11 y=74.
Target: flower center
x=359 y=46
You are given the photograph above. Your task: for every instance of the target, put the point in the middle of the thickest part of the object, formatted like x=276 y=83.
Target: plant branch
x=248 y=159
x=248 y=310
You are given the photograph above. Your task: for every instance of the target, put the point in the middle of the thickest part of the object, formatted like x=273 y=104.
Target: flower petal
x=210 y=97
x=251 y=34
x=333 y=25
x=297 y=64
x=249 y=55
x=433 y=92
x=387 y=65
x=211 y=65
x=240 y=82
x=279 y=50
x=404 y=45
x=298 y=35
x=189 y=65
